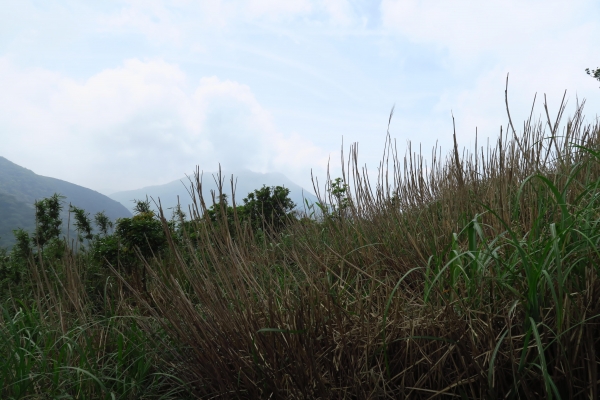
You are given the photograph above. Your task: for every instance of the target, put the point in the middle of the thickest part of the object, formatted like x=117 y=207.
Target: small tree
x=339 y=191
x=14 y=265
x=142 y=233
x=270 y=205
x=103 y=223
x=142 y=206
x=47 y=218
x=22 y=248
x=83 y=223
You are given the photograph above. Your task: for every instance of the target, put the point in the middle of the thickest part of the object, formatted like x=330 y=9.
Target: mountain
x=20 y=188
x=247 y=182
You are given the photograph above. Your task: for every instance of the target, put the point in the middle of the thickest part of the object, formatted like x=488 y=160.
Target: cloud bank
x=142 y=122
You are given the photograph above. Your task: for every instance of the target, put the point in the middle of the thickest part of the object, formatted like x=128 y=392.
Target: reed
x=473 y=276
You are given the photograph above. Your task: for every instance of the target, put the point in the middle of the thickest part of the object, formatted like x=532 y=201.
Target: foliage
x=269 y=206
x=139 y=236
x=593 y=73
x=107 y=249
x=265 y=207
x=48 y=221
x=103 y=222
x=82 y=223
x=107 y=359
x=15 y=263
x=142 y=206
x=339 y=192
x=143 y=232
x=222 y=214
x=8 y=275
x=22 y=249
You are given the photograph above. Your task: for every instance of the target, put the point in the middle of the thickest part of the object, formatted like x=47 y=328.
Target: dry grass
x=473 y=277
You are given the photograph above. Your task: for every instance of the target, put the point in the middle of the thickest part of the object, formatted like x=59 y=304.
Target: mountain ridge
x=21 y=187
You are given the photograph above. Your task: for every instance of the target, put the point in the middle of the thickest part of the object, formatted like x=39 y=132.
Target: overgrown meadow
x=474 y=276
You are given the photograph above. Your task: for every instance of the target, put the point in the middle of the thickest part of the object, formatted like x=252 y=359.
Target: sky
x=118 y=95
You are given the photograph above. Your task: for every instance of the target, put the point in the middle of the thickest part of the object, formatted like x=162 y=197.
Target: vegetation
x=267 y=208
x=593 y=73
x=475 y=276
x=20 y=188
x=175 y=193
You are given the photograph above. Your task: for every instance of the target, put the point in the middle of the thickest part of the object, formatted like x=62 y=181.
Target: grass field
x=474 y=276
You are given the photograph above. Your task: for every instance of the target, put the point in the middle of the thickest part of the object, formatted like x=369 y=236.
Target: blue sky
x=117 y=95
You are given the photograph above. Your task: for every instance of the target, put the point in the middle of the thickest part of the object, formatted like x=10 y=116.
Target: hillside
x=247 y=181
x=20 y=188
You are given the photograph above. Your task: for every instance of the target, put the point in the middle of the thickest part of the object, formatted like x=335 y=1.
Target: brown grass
x=461 y=278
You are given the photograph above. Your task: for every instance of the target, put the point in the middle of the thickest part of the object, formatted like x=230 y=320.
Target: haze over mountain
x=20 y=188
x=247 y=181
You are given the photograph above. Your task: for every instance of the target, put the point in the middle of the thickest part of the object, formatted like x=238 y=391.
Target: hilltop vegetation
x=175 y=193
x=475 y=276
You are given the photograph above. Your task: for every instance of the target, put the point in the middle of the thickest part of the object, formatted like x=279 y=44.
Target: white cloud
x=138 y=124
x=275 y=9
x=161 y=21
x=340 y=11
x=471 y=29
x=544 y=45
x=151 y=18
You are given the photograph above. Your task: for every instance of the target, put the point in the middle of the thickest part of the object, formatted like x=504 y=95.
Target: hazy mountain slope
x=14 y=214
x=20 y=188
x=247 y=181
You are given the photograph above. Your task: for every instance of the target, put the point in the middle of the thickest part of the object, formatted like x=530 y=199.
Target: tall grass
x=473 y=276
x=54 y=344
